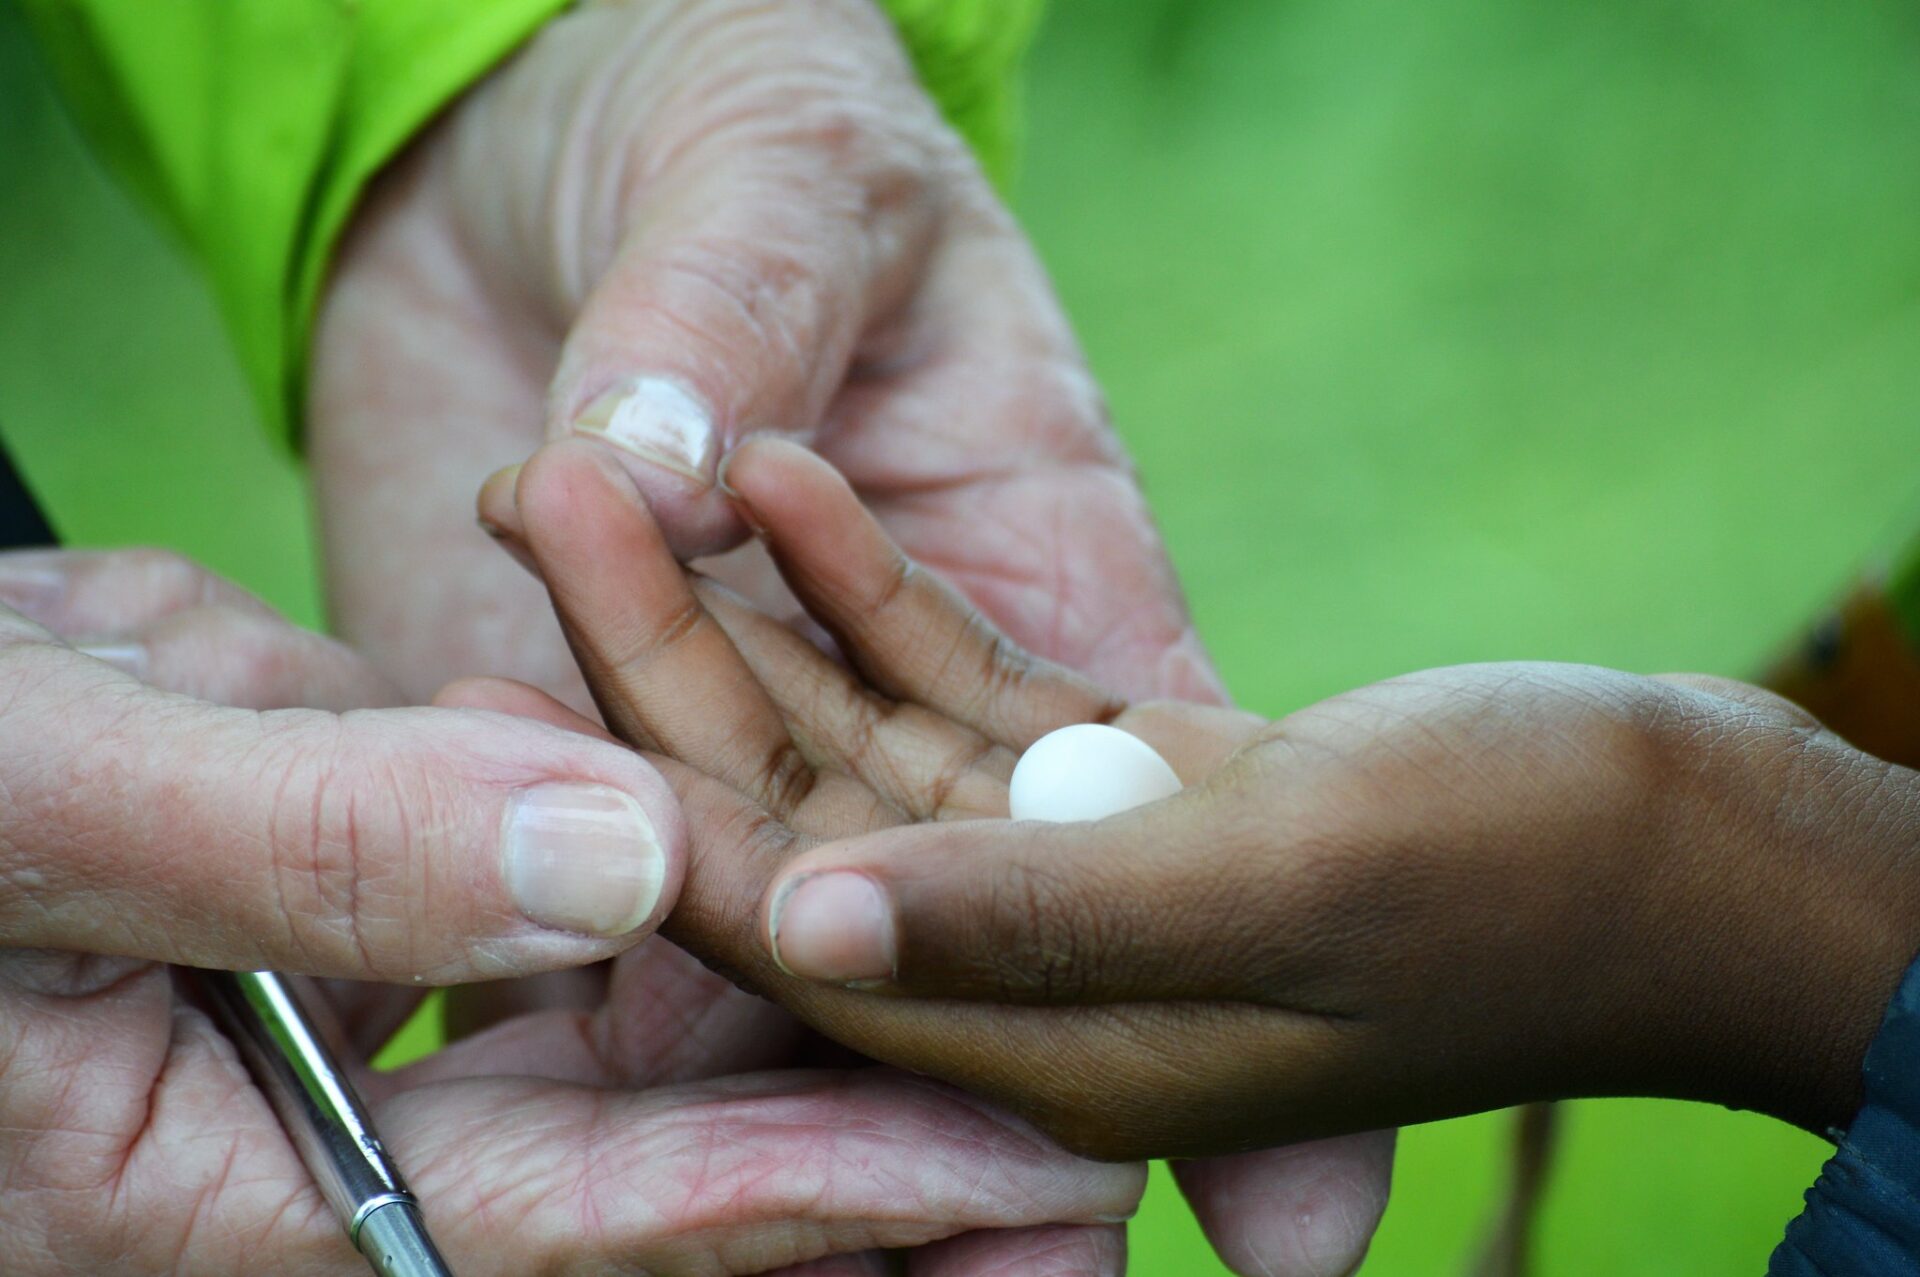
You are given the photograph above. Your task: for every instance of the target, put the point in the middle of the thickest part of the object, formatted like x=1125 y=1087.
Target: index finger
x=665 y=675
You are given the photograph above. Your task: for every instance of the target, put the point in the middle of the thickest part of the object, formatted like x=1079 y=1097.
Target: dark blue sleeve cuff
x=1863 y=1213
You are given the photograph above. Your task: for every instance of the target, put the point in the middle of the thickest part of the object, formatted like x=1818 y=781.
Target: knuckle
x=783 y=779
x=336 y=816
x=628 y=650
x=1004 y=668
x=240 y=658
x=1068 y=407
x=1054 y=937
x=166 y=579
x=220 y=654
x=943 y=796
x=884 y=163
x=718 y=290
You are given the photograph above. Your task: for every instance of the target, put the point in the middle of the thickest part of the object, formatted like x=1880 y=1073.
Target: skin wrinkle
x=898 y=488
x=509 y=1203
x=292 y=916
x=121 y=1167
x=439 y=817
x=659 y=316
x=763 y=298
x=765 y=100
x=1026 y=596
x=954 y=771
x=204 y=1196
x=566 y=187
x=352 y=909
x=481 y=157
x=1046 y=391
x=690 y=1021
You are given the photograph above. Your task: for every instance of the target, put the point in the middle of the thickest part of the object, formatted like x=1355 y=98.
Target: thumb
x=423 y=845
x=1138 y=907
x=762 y=252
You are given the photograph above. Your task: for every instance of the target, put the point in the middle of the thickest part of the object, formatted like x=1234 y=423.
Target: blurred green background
x=1442 y=331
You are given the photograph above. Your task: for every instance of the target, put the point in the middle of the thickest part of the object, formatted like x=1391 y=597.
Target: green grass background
x=1442 y=331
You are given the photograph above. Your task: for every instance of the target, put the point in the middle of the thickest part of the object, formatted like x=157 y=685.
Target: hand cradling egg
x=1088 y=771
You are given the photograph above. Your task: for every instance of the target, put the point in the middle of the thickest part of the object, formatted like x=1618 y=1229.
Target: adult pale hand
x=666 y=225
x=410 y=845
x=130 y=1138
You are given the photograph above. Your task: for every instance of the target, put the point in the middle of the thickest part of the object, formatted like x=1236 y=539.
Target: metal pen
x=262 y=1013
x=323 y=1116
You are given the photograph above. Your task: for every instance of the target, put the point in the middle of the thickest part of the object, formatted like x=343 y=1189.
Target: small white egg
x=1087 y=772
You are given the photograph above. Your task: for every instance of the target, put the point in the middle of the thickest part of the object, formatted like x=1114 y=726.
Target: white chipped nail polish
x=131 y=657
x=1088 y=771
x=28 y=588
x=658 y=419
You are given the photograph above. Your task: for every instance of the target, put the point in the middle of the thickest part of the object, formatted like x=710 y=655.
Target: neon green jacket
x=252 y=126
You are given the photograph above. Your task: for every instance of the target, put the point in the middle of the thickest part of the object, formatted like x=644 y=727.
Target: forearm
x=1798 y=912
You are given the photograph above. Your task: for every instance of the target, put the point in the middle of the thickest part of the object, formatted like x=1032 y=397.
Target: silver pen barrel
x=325 y=1120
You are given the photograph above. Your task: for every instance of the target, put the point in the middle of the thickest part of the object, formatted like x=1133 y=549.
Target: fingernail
x=659 y=420
x=131 y=657
x=582 y=858
x=740 y=505
x=493 y=505
x=27 y=588
x=837 y=927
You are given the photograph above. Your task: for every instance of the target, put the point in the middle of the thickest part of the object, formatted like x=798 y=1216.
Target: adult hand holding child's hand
x=664 y=226
x=171 y=798
x=773 y=747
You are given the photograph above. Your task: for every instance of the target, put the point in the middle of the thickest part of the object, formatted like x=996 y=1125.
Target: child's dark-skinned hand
x=1449 y=892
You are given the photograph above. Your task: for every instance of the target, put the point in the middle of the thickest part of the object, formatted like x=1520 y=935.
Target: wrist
x=1810 y=894
x=1869 y=933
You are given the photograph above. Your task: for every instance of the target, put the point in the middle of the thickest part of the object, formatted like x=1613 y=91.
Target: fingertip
x=494 y=504
x=1308 y=1210
x=834 y=553
x=556 y=471
x=695 y=525
x=465 y=693
x=522 y=700
x=835 y=928
x=581 y=474
x=773 y=474
x=498 y=513
x=574 y=501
